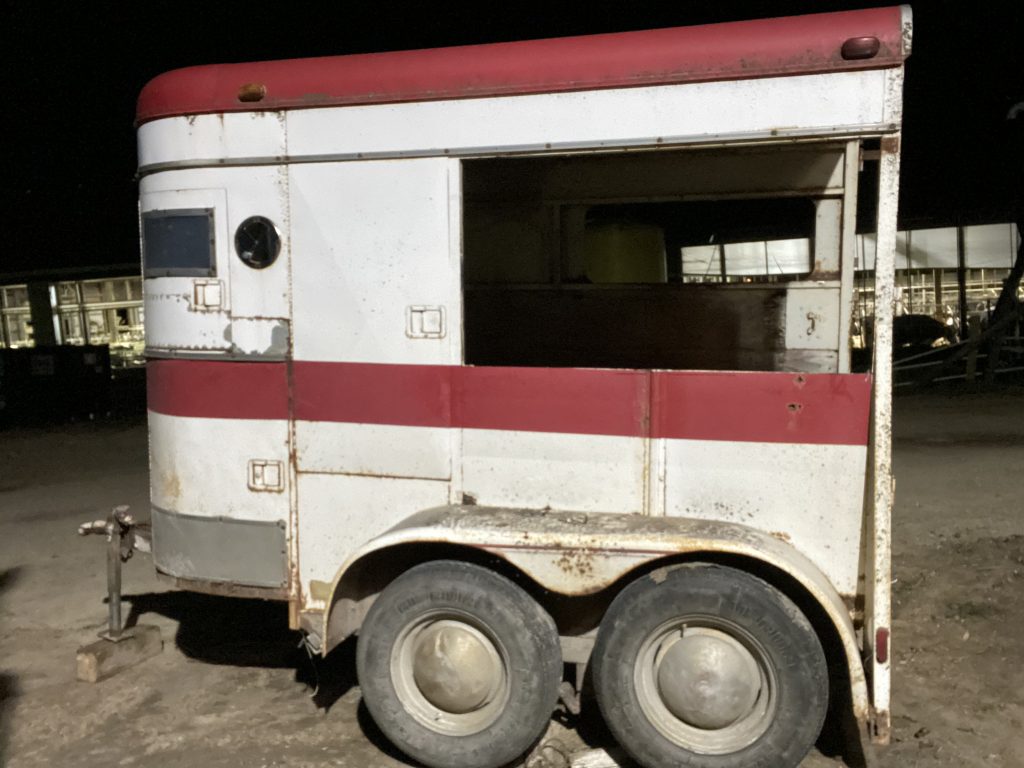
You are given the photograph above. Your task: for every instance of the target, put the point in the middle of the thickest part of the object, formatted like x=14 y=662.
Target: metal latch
x=266 y=475
x=207 y=294
x=424 y=322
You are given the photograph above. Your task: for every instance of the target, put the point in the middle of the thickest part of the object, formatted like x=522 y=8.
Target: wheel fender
x=574 y=553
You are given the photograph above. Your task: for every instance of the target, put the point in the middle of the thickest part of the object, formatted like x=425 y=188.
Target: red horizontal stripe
x=362 y=393
x=697 y=405
x=574 y=400
x=796 y=45
x=762 y=407
x=213 y=389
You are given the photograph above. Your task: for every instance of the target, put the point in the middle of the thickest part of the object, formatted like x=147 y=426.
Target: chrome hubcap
x=705 y=684
x=450 y=674
x=455 y=667
x=708 y=680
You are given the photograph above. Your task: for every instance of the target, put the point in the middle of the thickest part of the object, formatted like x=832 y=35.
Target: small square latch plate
x=207 y=294
x=266 y=475
x=424 y=322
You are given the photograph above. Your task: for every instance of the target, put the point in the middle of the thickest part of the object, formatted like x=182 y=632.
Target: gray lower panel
x=219 y=549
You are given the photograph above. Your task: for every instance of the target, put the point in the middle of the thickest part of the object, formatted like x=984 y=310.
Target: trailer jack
x=119 y=647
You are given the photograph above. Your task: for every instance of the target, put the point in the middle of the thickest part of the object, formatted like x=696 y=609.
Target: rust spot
x=781 y=536
x=171 y=486
x=224 y=588
x=320 y=590
x=576 y=562
x=890 y=144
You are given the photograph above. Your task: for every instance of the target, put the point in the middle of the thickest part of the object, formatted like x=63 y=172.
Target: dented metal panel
x=245 y=552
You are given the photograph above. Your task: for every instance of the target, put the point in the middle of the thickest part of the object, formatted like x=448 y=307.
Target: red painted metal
x=882 y=644
x=364 y=393
x=214 y=389
x=568 y=400
x=734 y=50
x=762 y=407
x=699 y=405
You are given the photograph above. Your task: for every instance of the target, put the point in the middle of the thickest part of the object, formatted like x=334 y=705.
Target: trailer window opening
x=178 y=243
x=670 y=260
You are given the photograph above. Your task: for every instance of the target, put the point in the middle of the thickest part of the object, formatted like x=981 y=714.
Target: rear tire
x=458 y=666
x=709 y=667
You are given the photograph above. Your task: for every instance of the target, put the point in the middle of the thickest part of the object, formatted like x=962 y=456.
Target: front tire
x=458 y=666
x=705 y=666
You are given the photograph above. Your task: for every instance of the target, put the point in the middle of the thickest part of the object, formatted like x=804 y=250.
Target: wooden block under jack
x=103 y=658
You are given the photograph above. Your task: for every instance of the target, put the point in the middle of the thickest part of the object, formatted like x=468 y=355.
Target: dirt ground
x=231 y=689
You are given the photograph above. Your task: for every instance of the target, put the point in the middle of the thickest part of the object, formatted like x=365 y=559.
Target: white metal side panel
x=258 y=191
x=200 y=466
x=251 y=312
x=173 y=319
x=766 y=107
x=807 y=103
x=588 y=473
x=374 y=449
x=340 y=513
x=231 y=134
x=371 y=241
x=809 y=495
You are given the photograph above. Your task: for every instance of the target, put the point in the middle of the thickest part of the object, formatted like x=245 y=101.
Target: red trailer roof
x=762 y=48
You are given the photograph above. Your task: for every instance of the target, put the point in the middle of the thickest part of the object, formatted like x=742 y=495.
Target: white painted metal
x=848 y=250
x=879 y=597
x=374 y=239
x=812 y=321
x=251 y=316
x=258 y=293
x=833 y=103
x=374 y=449
x=828 y=222
x=226 y=135
x=174 y=320
x=589 y=473
x=808 y=495
x=200 y=467
x=341 y=512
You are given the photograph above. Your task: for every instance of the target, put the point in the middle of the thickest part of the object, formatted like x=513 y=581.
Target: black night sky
x=73 y=71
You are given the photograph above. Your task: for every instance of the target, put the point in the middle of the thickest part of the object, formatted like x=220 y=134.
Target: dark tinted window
x=178 y=243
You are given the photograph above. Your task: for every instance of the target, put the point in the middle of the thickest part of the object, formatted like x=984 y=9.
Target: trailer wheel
x=710 y=667
x=458 y=666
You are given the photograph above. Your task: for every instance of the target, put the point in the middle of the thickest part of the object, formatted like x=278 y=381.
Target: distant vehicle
x=373 y=395
x=919 y=333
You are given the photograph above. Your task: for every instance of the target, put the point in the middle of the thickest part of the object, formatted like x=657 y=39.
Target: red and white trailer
x=402 y=377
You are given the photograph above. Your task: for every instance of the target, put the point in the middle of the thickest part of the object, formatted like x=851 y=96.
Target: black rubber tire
x=788 y=643
x=525 y=631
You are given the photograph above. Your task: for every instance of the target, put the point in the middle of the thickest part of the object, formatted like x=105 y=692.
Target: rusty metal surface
x=223 y=588
x=882 y=484
x=575 y=553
